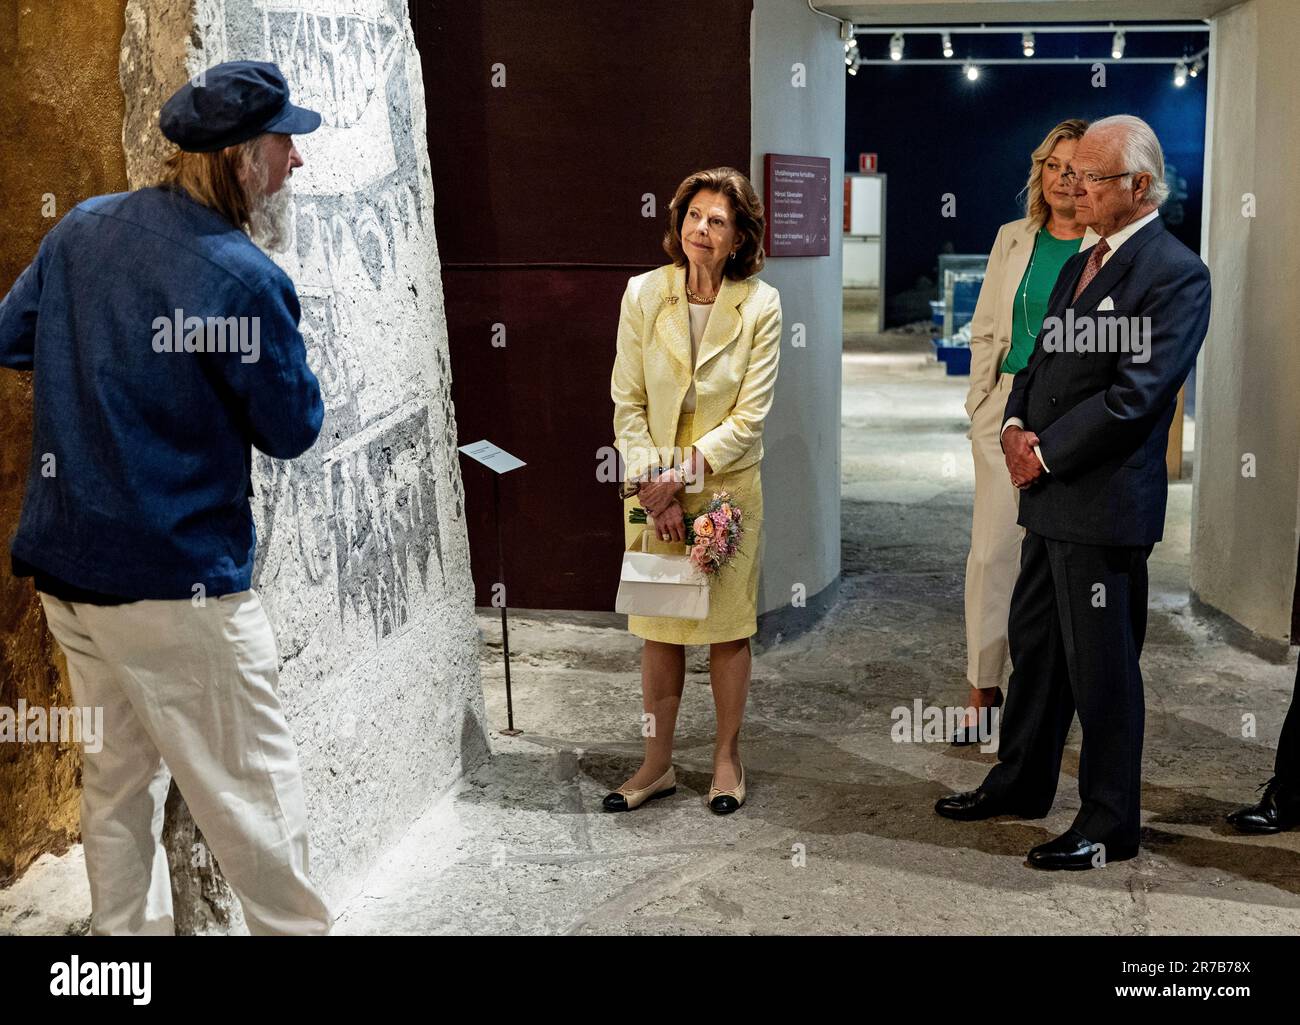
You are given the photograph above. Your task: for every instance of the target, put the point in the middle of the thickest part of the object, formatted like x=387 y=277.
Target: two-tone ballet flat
x=625 y=799
x=724 y=802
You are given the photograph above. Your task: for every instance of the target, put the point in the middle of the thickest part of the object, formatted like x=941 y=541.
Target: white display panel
x=861 y=263
x=866 y=213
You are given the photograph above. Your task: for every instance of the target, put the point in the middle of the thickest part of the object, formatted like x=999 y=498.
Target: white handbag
x=661 y=585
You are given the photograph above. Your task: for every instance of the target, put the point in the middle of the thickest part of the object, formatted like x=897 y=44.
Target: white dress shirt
x=1091 y=238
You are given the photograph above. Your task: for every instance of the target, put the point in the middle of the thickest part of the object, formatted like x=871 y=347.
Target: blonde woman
x=1026 y=259
x=698 y=344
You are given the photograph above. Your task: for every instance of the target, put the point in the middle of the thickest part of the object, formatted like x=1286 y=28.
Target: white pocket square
x=1106 y=304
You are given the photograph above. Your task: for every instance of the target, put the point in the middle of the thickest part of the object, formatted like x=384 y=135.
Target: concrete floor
x=838 y=835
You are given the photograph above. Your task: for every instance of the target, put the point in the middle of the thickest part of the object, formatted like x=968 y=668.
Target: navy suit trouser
x=1287 y=765
x=1077 y=623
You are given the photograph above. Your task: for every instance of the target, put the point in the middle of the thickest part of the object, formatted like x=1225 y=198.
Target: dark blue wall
x=936 y=132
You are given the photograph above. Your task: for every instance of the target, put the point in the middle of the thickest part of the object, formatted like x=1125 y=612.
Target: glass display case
x=960 y=278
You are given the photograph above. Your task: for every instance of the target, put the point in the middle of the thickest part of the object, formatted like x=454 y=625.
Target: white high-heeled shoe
x=625 y=799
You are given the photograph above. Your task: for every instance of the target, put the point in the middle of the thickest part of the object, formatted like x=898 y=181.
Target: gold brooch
x=671 y=299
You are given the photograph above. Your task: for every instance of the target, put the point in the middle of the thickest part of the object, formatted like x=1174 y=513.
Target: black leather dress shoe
x=1278 y=810
x=970 y=734
x=971 y=806
x=1073 y=851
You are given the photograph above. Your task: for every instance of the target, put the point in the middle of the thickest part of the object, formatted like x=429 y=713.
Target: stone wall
x=362 y=551
x=61 y=119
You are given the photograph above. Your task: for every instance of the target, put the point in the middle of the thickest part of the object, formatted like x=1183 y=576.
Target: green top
x=1050 y=254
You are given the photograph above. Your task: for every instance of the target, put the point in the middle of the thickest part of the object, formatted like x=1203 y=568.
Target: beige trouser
x=994 y=560
x=193 y=687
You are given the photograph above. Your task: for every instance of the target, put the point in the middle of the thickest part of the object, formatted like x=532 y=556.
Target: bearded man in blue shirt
x=164 y=345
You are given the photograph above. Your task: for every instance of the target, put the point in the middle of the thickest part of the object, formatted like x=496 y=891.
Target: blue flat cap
x=232 y=103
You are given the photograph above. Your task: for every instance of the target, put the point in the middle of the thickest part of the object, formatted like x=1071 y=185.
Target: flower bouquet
x=713 y=536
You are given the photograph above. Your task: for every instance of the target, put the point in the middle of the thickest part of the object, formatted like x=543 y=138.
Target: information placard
x=493 y=456
x=798 y=205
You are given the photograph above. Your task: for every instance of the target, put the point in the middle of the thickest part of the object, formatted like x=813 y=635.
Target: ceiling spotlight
x=947 y=45
x=1027 y=43
x=1197 y=67
x=853 y=69
x=896 y=46
x=971 y=71
x=1117 y=45
x=1180 y=73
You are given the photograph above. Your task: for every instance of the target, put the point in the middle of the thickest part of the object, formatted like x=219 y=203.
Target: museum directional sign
x=798 y=201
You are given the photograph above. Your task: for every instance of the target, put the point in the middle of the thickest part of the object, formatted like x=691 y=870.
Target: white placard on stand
x=499 y=461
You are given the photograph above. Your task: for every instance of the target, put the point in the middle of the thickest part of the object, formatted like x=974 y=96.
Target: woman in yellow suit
x=698 y=344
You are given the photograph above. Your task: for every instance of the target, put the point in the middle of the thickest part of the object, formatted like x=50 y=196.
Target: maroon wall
x=538 y=205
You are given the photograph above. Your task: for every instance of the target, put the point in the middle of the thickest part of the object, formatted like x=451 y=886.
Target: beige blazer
x=990 y=336
x=990 y=329
x=734 y=371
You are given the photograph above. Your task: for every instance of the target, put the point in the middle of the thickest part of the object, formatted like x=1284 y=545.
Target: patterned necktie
x=1090 y=269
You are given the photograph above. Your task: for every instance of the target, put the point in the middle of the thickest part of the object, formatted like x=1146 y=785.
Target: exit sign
x=867 y=162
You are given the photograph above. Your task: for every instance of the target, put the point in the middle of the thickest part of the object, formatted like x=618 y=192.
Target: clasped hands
x=659 y=499
x=1023 y=465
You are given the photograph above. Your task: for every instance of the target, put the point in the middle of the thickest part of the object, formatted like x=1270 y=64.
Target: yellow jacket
x=735 y=372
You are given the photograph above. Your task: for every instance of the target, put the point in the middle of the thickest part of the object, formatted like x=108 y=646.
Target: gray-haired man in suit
x=1085 y=432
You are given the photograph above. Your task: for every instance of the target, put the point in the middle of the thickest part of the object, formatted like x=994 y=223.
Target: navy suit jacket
x=1103 y=417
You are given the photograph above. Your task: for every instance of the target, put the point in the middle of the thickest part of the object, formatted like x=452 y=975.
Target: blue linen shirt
x=141 y=463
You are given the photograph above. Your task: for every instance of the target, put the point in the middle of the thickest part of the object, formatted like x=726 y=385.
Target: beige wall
x=1245 y=528
x=61 y=114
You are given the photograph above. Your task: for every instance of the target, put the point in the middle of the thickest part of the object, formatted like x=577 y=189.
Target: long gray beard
x=270 y=221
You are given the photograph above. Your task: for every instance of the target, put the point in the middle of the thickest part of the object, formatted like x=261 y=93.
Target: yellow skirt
x=733 y=593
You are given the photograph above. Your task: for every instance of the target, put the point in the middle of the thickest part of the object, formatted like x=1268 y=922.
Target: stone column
x=1246 y=516
x=362 y=553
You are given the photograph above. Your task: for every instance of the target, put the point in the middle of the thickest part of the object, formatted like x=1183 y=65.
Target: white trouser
x=193 y=687
x=994 y=560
